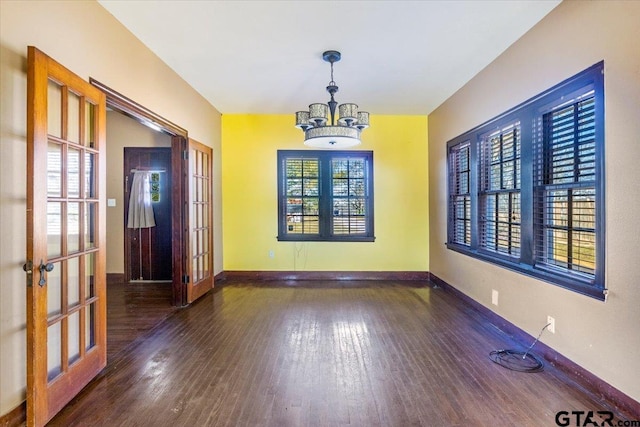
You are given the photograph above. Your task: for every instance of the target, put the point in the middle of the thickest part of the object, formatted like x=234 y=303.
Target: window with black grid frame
x=459 y=193
x=565 y=208
x=325 y=195
x=535 y=196
x=499 y=197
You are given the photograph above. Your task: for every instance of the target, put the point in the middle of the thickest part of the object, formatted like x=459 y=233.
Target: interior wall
x=600 y=336
x=250 y=209
x=89 y=41
x=123 y=131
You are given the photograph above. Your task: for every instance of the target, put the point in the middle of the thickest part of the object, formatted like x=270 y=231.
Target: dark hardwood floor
x=132 y=310
x=319 y=354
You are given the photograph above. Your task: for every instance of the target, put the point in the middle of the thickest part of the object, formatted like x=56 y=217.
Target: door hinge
x=185 y=155
x=185 y=279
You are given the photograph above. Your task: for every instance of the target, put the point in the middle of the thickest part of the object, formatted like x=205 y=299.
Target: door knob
x=44 y=267
x=28 y=267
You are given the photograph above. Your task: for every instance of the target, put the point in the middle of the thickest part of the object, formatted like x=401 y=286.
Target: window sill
x=300 y=238
x=563 y=280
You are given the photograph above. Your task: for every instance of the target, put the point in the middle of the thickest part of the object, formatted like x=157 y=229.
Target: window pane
x=569 y=139
x=340 y=187
x=310 y=168
x=294 y=167
x=303 y=201
x=310 y=207
x=294 y=206
x=569 y=214
x=459 y=204
x=349 y=192
x=340 y=168
x=311 y=187
x=294 y=187
x=499 y=156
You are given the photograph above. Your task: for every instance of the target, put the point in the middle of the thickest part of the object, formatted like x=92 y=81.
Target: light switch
x=111 y=202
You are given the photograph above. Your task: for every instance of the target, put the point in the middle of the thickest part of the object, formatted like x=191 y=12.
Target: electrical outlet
x=494 y=297
x=552 y=324
x=271 y=254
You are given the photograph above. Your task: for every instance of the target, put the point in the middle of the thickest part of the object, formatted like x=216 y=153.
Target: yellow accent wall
x=250 y=209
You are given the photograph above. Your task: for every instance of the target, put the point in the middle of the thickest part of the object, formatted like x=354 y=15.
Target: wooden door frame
x=179 y=137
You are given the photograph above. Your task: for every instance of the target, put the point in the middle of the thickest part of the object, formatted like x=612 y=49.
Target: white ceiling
x=398 y=57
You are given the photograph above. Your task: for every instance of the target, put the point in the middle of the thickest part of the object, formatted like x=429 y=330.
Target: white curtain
x=140 y=209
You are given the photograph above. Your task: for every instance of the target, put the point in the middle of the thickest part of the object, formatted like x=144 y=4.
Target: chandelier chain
x=333 y=83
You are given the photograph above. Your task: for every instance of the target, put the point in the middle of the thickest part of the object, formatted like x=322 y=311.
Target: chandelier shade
x=323 y=128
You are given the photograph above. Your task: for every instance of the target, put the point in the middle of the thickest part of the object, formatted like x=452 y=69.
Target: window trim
x=325 y=233
x=528 y=113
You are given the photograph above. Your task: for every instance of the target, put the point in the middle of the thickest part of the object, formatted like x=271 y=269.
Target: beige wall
x=123 y=131
x=90 y=42
x=602 y=337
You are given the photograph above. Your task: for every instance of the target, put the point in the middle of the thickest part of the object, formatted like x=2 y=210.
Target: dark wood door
x=66 y=278
x=148 y=250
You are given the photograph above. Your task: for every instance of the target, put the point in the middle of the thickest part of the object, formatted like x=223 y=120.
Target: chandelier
x=319 y=124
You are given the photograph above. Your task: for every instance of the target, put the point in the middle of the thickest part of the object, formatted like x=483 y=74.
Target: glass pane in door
x=90 y=325
x=54 y=289
x=54 y=109
x=54 y=350
x=73 y=333
x=89 y=275
x=54 y=170
x=54 y=229
x=73 y=227
x=73 y=282
x=89 y=175
x=90 y=218
x=73 y=117
x=73 y=173
x=89 y=124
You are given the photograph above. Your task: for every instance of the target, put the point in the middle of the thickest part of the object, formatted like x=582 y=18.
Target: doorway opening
x=175 y=171
x=147 y=214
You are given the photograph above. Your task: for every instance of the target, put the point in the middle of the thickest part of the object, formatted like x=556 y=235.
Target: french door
x=66 y=289
x=200 y=222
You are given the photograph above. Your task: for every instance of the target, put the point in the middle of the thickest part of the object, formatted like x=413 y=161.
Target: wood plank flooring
x=132 y=310
x=321 y=354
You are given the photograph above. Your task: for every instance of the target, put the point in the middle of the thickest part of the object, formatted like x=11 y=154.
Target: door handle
x=44 y=267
